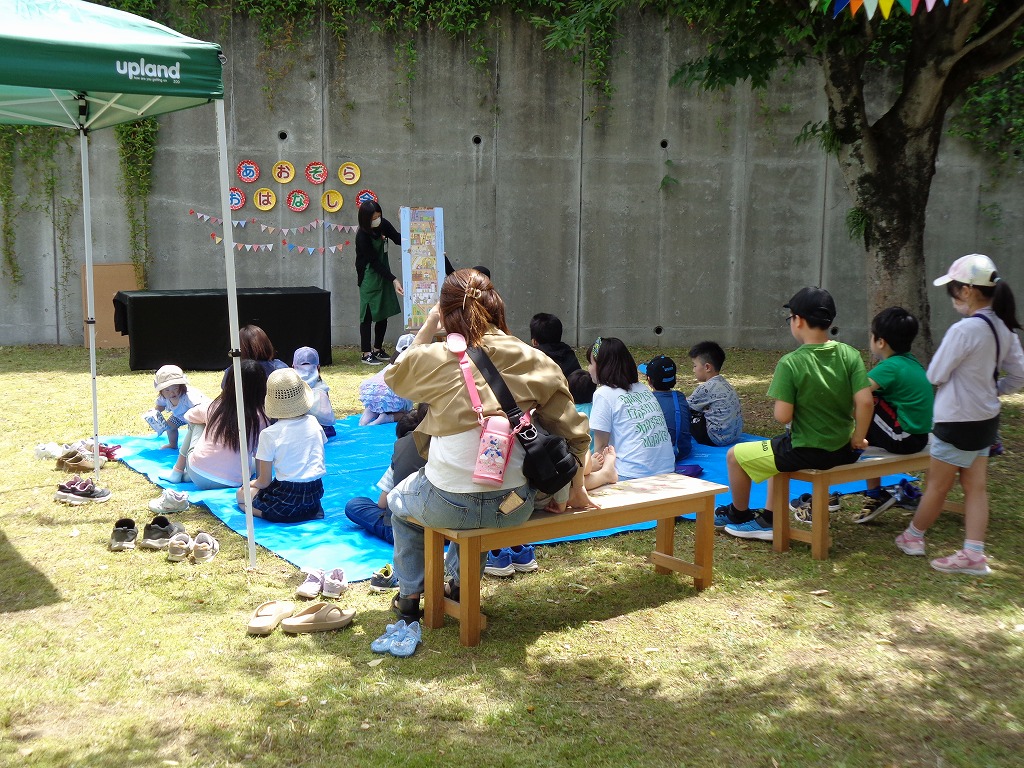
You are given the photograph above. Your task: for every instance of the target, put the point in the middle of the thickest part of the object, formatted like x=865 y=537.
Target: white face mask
x=375 y=223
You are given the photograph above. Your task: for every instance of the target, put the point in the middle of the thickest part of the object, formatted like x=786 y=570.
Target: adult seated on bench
x=443 y=494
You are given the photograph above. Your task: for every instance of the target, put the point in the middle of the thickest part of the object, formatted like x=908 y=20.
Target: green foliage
x=858 y=222
x=992 y=116
x=8 y=141
x=136 y=144
x=823 y=133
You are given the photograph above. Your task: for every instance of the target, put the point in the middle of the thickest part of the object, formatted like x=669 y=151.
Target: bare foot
x=596 y=461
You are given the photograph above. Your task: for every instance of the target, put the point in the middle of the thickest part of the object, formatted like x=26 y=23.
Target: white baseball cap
x=972 y=269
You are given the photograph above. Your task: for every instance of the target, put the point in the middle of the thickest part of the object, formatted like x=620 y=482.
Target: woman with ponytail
x=966 y=369
x=444 y=494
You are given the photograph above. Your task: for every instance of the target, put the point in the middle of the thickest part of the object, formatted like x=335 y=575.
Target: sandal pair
x=315 y=617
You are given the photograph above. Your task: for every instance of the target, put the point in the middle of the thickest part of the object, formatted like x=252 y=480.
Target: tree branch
x=1013 y=18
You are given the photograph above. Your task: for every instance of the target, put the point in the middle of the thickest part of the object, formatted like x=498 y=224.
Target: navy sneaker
x=385 y=579
x=758 y=528
x=727 y=514
x=875 y=503
x=908 y=495
x=499 y=563
x=523 y=558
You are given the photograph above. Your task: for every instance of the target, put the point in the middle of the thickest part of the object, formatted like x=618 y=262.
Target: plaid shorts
x=286 y=502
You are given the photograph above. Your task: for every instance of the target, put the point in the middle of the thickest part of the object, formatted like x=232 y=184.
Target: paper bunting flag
x=886 y=6
x=870 y=6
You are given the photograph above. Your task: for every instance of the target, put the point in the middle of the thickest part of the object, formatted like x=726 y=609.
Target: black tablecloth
x=190 y=328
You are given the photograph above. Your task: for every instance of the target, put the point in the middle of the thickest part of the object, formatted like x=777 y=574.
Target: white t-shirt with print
x=636 y=428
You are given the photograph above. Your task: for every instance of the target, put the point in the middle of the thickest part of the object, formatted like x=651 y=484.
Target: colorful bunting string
x=241 y=223
x=870 y=6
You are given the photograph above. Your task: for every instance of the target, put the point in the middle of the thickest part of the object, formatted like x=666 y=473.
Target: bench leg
x=433 y=578
x=704 y=544
x=665 y=541
x=780 y=512
x=819 y=520
x=469 y=592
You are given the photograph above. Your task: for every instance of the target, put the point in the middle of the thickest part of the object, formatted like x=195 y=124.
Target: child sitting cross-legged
x=716 y=416
x=821 y=390
x=290 y=454
x=661 y=376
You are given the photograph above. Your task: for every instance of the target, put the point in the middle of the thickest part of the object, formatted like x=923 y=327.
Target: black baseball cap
x=813 y=304
x=661 y=370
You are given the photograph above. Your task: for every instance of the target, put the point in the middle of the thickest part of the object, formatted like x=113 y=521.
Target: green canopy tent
x=80 y=66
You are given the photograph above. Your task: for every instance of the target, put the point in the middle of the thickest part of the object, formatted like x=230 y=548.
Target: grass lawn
x=124 y=659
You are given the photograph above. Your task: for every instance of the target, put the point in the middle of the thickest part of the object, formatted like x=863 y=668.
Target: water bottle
x=495 y=450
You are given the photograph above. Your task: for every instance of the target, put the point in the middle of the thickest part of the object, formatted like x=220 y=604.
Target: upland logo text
x=153 y=73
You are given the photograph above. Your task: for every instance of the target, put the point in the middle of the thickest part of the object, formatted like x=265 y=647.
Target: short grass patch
x=119 y=660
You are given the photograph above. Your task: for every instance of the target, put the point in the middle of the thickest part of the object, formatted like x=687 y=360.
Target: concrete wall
x=563 y=200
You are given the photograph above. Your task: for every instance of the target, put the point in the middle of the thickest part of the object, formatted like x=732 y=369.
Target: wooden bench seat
x=821 y=480
x=659 y=498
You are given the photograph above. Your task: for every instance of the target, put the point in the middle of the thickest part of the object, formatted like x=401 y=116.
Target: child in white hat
x=175 y=395
x=306 y=361
x=290 y=454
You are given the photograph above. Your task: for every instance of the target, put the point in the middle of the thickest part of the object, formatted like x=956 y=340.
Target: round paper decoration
x=264 y=199
x=365 y=194
x=316 y=172
x=236 y=197
x=349 y=173
x=332 y=200
x=248 y=171
x=283 y=171
x=297 y=200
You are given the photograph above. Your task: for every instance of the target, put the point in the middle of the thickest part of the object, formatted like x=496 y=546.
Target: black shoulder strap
x=995 y=373
x=497 y=384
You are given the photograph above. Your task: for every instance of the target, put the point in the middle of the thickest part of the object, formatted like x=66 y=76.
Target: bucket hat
x=168 y=376
x=288 y=395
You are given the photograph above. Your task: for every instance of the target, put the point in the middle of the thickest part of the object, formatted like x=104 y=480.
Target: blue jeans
x=366 y=514
x=415 y=502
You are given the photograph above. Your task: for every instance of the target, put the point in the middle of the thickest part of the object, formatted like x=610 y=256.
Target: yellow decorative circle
x=332 y=200
x=283 y=172
x=264 y=199
x=349 y=173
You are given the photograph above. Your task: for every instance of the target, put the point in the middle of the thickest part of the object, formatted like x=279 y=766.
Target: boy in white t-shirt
x=290 y=454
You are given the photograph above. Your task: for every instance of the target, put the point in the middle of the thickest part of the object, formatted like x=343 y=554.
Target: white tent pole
x=90 y=301
x=236 y=359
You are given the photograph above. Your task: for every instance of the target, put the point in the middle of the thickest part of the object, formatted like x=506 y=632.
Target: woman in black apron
x=379 y=289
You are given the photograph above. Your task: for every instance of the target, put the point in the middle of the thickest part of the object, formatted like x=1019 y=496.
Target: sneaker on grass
x=910 y=545
x=158 y=534
x=801 y=506
x=961 y=562
x=499 y=563
x=383 y=580
x=122 y=538
x=169 y=501
x=758 y=528
x=370 y=359
x=82 y=492
x=524 y=559
x=874 y=504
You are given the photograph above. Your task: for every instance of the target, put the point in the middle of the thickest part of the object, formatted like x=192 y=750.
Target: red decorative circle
x=236 y=197
x=316 y=172
x=297 y=200
x=365 y=194
x=248 y=171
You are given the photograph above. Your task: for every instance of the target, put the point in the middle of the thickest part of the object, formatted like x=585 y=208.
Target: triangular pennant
x=242 y=223
x=270 y=246
x=841 y=5
x=855 y=6
x=870 y=6
x=310 y=251
x=238 y=246
x=929 y=4
x=906 y=6
x=263 y=227
x=271 y=230
x=319 y=250
x=886 y=6
x=218 y=240
x=204 y=217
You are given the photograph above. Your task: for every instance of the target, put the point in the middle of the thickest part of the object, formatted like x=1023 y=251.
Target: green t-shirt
x=819 y=381
x=903 y=384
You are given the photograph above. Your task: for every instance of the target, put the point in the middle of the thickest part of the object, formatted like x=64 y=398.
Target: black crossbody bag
x=549 y=465
x=972 y=435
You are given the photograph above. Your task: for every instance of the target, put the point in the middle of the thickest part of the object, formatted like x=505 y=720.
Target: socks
x=913 y=533
x=175 y=476
x=738 y=517
x=974 y=549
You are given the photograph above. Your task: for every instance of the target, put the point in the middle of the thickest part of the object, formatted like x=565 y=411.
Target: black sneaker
x=123 y=536
x=382 y=355
x=157 y=534
x=407 y=608
x=370 y=359
x=874 y=506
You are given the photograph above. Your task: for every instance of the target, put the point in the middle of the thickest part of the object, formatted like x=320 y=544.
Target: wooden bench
x=659 y=498
x=821 y=479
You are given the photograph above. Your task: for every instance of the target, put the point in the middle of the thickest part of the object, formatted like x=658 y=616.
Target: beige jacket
x=429 y=373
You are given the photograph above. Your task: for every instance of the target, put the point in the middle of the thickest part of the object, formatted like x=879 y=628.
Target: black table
x=190 y=328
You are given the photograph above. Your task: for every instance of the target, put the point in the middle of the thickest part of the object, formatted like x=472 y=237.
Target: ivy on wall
x=136 y=147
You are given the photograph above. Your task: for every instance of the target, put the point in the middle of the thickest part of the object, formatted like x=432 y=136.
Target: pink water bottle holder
x=497 y=437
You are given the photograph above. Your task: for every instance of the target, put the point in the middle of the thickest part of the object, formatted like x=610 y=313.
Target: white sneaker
x=169 y=502
x=311 y=587
x=48 y=451
x=204 y=548
x=179 y=547
x=334 y=583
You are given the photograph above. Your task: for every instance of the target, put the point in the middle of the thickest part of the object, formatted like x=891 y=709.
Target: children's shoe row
x=315 y=617
x=162 y=534
x=51 y=451
x=511 y=560
x=318 y=582
x=79 y=490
